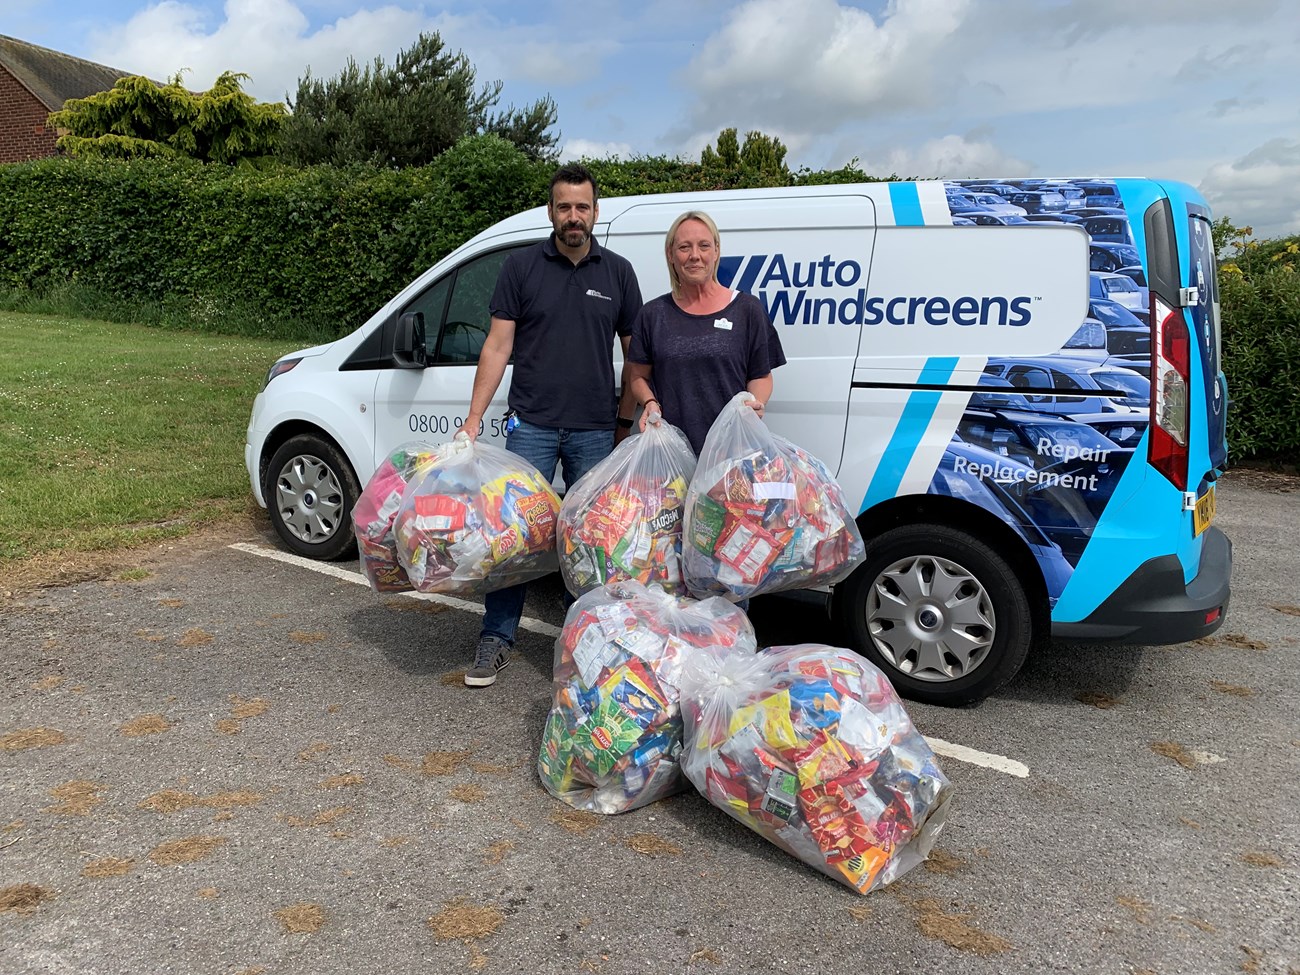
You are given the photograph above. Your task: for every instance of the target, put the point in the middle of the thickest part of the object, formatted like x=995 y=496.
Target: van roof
x=611 y=208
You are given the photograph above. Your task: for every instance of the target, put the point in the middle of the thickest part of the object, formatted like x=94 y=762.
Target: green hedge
x=1260 y=311
x=275 y=252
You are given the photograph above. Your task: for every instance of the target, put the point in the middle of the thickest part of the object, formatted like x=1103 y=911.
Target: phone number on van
x=442 y=425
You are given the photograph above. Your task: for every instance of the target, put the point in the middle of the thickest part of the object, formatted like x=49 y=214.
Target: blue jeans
x=575 y=452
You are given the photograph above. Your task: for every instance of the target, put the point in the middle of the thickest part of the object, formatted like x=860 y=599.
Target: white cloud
x=812 y=66
x=267 y=39
x=574 y=149
x=1259 y=190
x=948 y=157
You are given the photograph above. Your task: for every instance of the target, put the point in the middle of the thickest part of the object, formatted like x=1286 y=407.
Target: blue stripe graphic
x=906 y=202
x=727 y=268
x=751 y=273
x=912 y=424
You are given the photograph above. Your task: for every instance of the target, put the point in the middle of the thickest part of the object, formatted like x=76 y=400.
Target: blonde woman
x=696 y=347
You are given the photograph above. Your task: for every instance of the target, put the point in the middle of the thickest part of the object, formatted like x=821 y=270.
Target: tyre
x=939 y=611
x=310 y=490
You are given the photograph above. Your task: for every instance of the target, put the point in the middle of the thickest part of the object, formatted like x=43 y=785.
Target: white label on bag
x=767 y=490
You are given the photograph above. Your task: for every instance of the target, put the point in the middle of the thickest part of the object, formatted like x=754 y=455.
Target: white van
x=924 y=366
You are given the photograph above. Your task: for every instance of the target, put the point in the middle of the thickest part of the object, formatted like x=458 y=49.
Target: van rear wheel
x=310 y=490
x=939 y=611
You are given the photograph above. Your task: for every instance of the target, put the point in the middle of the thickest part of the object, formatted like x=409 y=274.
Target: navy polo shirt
x=566 y=317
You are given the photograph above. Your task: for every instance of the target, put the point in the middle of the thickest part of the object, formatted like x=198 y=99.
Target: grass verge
x=114 y=436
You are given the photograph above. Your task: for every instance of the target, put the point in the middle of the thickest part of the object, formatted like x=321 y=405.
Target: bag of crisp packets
x=481 y=518
x=623 y=520
x=810 y=747
x=613 y=736
x=762 y=514
x=373 y=514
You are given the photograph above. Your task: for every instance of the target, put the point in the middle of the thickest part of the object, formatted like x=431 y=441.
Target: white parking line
x=326 y=568
x=961 y=753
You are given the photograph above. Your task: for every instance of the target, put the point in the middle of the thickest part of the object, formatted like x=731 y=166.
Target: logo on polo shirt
x=593 y=293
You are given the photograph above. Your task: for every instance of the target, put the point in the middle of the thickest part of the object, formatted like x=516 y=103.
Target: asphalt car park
x=229 y=760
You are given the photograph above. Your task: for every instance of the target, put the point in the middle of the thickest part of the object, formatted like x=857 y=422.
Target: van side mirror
x=409 y=350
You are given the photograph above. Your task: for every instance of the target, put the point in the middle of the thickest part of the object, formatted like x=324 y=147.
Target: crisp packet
x=810 y=747
x=762 y=514
x=612 y=739
x=623 y=519
x=480 y=518
x=373 y=514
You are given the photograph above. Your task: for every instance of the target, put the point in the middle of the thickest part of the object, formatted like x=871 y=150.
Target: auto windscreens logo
x=795 y=293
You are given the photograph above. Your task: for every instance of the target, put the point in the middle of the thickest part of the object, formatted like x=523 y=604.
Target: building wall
x=23 y=134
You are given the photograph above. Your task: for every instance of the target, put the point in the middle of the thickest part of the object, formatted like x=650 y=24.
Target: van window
x=456 y=314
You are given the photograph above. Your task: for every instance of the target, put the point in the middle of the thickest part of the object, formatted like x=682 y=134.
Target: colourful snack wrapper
x=614 y=733
x=810 y=747
x=376 y=508
x=762 y=514
x=478 y=518
x=623 y=520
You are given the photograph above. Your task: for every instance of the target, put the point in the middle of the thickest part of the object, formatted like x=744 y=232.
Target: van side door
x=430 y=403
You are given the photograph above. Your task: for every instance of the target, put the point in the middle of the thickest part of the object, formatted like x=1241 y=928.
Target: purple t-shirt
x=699 y=362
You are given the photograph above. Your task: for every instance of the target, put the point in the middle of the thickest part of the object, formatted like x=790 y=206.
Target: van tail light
x=1171 y=381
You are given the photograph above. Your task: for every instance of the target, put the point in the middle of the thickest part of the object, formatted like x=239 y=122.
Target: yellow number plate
x=1203 y=517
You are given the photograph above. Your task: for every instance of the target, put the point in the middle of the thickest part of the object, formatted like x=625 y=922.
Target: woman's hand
x=650 y=414
x=757 y=406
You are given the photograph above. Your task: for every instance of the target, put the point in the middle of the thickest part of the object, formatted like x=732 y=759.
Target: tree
x=761 y=158
x=138 y=117
x=407 y=114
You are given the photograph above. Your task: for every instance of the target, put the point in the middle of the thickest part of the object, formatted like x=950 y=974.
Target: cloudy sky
x=1202 y=91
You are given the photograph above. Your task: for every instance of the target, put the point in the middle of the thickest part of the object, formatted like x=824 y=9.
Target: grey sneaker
x=492 y=655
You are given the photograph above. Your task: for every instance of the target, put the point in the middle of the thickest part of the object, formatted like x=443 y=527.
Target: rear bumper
x=1154 y=606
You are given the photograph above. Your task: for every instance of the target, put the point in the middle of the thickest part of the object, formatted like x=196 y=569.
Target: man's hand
x=470 y=427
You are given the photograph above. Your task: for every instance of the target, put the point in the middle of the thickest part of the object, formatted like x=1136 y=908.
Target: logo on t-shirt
x=593 y=293
x=722 y=323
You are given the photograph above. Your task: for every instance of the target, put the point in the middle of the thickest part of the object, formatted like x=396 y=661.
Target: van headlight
x=279 y=369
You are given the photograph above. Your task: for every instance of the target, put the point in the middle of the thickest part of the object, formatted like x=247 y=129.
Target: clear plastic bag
x=481 y=518
x=623 y=520
x=762 y=514
x=810 y=747
x=614 y=732
x=373 y=514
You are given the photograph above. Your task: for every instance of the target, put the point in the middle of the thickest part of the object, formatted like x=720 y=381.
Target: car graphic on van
x=1039 y=201
x=965 y=203
x=1108 y=256
x=1066 y=384
x=1085 y=460
x=995 y=219
x=1098 y=193
x=1113 y=228
x=1125 y=429
x=956 y=476
x=1119 y=288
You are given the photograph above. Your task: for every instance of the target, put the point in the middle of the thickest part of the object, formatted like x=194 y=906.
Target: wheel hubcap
x=930 y=618
x=309 y=499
